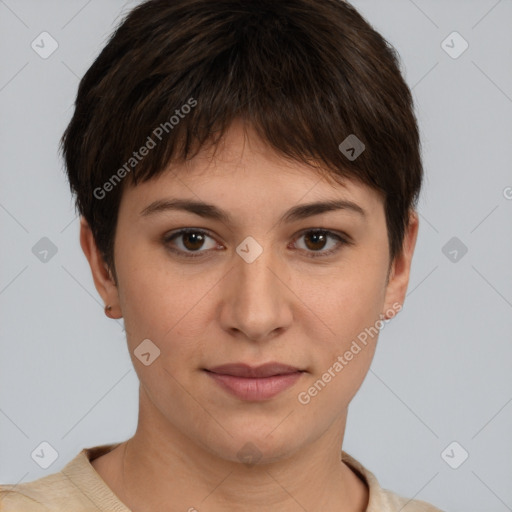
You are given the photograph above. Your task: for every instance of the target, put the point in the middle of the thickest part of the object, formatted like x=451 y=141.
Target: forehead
x=242 y=170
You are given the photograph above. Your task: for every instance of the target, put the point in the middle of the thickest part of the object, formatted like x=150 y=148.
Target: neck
x=161 y=467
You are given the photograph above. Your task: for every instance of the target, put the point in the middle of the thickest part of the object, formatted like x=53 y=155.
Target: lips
x=254 y=383
x=254 y=372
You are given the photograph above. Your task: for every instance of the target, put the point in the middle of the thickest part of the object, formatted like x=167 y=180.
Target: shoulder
x=42 y=495
x=76 y=488
x=56 y=492
x=14 y=501
x=395 y=502
x=52 y=493
x=384 y=500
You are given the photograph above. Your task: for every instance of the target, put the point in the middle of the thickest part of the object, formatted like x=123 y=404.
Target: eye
x=316 y=240
x=193 y=240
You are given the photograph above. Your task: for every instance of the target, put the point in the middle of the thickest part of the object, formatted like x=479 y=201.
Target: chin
x=255 y=445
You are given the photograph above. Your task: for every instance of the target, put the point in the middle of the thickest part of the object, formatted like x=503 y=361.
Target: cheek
x=355 y=299
x=350 y=306
x=356 y=310
x=341 y=361
x=162 y=304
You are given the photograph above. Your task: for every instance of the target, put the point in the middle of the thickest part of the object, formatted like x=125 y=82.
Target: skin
x=285 y=306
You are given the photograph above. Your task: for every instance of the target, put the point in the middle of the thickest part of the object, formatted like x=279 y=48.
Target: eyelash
x=343 y=240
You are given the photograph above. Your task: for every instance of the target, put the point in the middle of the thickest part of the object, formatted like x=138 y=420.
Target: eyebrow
x=210 y=211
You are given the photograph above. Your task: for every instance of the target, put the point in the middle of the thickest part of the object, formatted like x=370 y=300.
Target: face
x=257 y=286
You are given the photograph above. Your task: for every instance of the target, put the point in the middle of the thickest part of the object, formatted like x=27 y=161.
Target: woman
x=246 y=175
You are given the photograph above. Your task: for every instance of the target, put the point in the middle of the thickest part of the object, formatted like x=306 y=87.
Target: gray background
x=442 y=371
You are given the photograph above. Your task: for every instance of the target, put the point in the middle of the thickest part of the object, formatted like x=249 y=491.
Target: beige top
x=79 y=488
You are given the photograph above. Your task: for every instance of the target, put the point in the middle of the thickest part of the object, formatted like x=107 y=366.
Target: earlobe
x=399 y=276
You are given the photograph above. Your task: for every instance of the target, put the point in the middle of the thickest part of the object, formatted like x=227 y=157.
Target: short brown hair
x=305 y=74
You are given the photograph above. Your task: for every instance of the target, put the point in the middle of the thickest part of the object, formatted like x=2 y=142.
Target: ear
x=400 y=271
x=103 y=280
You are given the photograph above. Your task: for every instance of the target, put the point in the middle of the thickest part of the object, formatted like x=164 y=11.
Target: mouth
x=262 y=371
x=254 y=383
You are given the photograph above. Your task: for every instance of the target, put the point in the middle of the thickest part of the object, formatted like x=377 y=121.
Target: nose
x=256 y=299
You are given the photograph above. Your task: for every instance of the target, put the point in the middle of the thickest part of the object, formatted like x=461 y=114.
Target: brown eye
x=192 y=241
x=315 y=240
